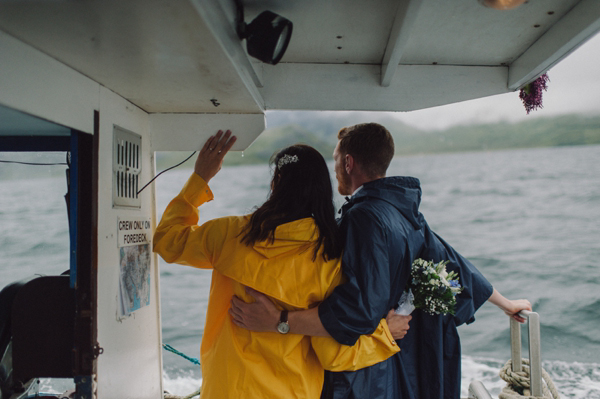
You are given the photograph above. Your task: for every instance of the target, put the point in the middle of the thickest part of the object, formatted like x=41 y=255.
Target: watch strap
x=283 y=318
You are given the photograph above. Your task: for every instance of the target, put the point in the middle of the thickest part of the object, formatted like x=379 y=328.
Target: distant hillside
x=540 y=132
x=270 y=141
x=288 y=128
x=319 y=129
x=329 y=123
x=274 y=139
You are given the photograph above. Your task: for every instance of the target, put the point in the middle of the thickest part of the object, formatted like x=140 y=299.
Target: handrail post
x=515 y=345
x=535 y=356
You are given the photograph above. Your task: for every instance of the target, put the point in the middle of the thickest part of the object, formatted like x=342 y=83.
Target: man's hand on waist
x=398 y=324
x=263 y=316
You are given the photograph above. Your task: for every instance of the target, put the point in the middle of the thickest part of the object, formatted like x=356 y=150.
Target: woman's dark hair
x=300 y=188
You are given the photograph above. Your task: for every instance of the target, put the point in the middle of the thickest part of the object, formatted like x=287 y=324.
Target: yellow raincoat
x=237 y=363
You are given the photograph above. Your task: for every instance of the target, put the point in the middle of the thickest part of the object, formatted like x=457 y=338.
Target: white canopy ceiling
x=183 y=56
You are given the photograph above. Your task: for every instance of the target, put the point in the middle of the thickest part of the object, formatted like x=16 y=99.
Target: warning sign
x=134 y=231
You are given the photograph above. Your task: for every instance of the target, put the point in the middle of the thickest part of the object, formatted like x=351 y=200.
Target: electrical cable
x=68 y=164
x=166 y=170
x=33 y=163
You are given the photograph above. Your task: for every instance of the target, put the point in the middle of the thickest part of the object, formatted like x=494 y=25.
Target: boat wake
x=181 y=384
x=572 y=380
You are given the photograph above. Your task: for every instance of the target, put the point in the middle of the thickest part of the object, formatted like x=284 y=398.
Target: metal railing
x=478 y=391
x=535 y=351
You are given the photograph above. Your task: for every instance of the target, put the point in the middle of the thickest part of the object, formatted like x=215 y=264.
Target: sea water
x=528 y=219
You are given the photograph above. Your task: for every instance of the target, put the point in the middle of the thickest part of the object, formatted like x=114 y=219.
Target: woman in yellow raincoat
x=288 y=249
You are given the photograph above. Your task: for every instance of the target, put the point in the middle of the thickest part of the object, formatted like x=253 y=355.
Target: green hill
x=319 y=129
x=274 y=139
x=261 y=150
x=540 y=132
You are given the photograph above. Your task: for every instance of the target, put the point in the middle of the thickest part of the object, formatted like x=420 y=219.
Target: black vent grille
x=127 y=167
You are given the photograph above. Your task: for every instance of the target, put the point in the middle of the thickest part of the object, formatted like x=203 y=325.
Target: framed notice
x=134 y=236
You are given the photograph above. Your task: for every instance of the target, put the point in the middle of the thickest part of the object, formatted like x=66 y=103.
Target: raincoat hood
x=288 y=238
x=402 y=192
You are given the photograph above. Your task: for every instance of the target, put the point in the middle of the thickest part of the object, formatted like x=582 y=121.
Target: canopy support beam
x=580 y=24
x=406 y=15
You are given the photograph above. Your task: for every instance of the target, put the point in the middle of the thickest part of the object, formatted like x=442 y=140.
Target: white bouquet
x=432 y=289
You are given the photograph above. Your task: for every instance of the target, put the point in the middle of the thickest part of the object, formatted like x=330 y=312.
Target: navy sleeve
x=356 y=307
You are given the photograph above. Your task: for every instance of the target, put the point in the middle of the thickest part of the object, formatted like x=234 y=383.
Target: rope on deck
x=191 y=359
x=190 y=396
x=518 y=383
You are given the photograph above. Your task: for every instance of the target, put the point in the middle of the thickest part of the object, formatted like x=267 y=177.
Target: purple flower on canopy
x=531 y=94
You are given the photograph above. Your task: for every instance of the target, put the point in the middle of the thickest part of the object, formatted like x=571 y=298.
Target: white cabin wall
x=131 y=365
x=32 y=82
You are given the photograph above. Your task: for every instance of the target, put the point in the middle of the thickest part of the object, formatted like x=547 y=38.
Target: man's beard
x=343 y=184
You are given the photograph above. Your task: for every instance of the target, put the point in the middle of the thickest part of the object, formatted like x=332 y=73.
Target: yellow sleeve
x=179 y=239
x=367 y=351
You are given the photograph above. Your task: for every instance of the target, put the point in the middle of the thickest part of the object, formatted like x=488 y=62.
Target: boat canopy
x=185 y=57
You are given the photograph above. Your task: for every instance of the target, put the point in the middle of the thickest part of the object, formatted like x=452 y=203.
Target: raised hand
x=211 y=156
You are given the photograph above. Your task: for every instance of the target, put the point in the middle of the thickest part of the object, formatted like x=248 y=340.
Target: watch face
x=283 y=328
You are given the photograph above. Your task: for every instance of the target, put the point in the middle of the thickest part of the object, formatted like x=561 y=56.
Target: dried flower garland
x=531 y=94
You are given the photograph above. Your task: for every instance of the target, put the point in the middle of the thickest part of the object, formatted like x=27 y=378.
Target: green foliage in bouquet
x=434 y=289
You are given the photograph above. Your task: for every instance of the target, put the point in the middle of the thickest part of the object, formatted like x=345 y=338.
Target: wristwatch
x=283 y=327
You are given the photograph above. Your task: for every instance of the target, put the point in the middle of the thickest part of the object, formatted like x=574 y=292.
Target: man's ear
x=349 y=163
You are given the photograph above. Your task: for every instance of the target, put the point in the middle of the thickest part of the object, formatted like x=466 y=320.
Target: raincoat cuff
x=196 y=191
x=368 y=350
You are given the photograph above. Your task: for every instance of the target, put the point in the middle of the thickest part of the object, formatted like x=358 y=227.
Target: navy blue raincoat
x=384 y=233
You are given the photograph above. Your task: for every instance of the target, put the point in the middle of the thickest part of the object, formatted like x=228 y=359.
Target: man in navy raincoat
x=384 y=233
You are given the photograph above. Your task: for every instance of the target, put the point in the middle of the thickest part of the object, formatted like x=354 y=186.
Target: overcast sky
x=574 y=87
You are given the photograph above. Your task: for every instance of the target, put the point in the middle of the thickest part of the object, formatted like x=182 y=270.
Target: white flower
x=426 y=286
